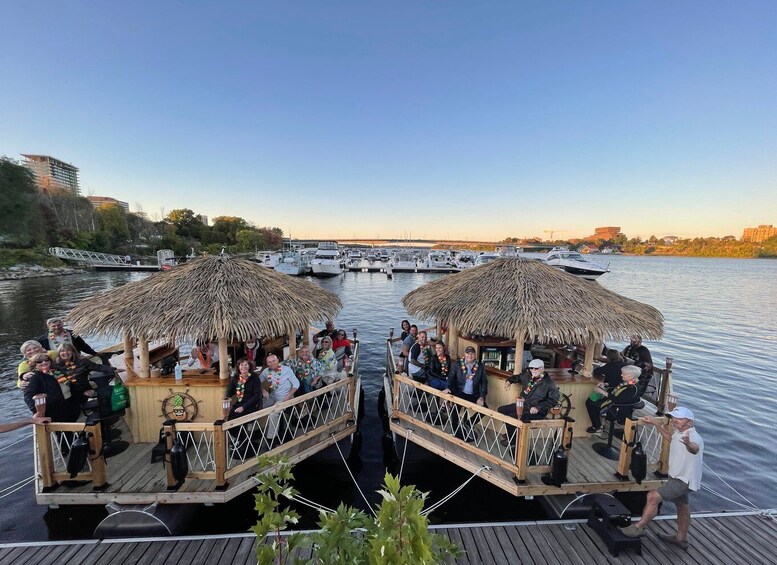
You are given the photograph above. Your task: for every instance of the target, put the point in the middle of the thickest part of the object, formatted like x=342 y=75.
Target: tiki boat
x=497 y=308
x=228 y=300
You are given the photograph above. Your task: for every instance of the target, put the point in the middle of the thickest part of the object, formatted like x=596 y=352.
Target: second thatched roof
x=215 y=296
x=511 y=296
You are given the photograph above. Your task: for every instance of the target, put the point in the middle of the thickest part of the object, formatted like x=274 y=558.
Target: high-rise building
x=203 y=218
x=759 y=234
x=102 y=200
x=52 y=175
x=606 y=233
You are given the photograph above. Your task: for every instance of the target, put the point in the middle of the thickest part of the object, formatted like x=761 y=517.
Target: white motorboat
x=510 y=251
x=465 y=259
x=486 y=257
x=403 y=261
x=439 y=260
x=293 y=263
x=575 y=264
x=269 y=258
x=328 y=262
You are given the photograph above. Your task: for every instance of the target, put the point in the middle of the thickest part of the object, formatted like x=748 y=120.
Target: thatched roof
x=216 y=296
x=510 y=296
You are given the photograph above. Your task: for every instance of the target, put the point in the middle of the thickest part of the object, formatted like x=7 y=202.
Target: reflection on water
x=721 y=327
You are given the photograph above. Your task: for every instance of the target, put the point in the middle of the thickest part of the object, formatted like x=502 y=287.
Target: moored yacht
x=268 y=258
x=575 y=264
x=328 y=261
x=439 y=260
x=293 y=263
x=486 y=257
x=403 y=261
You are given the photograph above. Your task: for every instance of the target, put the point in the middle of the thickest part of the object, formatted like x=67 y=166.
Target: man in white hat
x=685 y=467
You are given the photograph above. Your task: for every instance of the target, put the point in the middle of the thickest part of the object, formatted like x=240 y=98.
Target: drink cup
x=519 y=407
x=225 y=406
x=391 y=333
x=40 y=405
x=671 y=400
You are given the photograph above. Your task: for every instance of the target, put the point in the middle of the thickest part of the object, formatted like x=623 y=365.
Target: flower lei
x=241 y=387
x=443 y=364
x=530 y=385
x=303 y=368
x=464 y=369
x=276 y=380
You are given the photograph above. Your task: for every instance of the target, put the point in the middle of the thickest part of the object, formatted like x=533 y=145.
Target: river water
x=720 y=328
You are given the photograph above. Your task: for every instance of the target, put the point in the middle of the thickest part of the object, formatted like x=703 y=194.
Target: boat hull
x=327 y=270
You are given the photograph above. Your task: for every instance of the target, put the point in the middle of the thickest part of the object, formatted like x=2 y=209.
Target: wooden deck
x=133 y=479
x=715 y=539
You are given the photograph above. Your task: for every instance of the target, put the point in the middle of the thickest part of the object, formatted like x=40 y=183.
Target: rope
x=453 y=493
x=311 y=504
x=578 y=497
x=20 y=482
x=29 y=481
x=753 y=506
x=708 y=489
x=404 y=452
x=347 y=468
x=14 y=443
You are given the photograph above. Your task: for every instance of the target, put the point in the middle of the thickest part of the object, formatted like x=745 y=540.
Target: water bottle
x=178 y=372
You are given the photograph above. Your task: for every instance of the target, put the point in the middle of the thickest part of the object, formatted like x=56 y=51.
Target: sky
x=439 y=120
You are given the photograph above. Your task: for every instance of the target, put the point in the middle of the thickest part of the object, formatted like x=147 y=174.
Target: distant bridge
x=88 y=257
x=423 y=243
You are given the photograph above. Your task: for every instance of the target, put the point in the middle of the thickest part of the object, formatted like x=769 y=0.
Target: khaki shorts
x=675 y=491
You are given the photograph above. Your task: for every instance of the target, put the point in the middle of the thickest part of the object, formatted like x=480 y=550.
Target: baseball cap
x=537 y=363
x=681 y=412
x=469 y=349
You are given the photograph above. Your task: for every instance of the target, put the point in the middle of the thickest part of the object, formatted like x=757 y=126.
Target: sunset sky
x=432 y=119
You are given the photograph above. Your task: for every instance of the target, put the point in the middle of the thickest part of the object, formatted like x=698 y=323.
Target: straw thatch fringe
x=509 y=296
x=213 y=297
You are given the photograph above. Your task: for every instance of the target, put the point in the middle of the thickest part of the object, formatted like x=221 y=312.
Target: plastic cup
x=225 y=406
x=40 y=405
x=671 y=400
x=519 y=407
x=391 y=333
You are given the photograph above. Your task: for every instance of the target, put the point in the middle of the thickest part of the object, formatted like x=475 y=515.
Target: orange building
x=606 y=233
x=52 y=175
x=759 y=234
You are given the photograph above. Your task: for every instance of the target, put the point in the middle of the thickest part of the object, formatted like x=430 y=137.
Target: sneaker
x=633 y=531
x=672 y=540
x=591 y=430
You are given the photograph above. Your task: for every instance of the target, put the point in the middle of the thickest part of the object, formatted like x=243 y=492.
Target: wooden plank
x=184 y=552
x=514 y=547
x=734 y=539
x=556 y=538
x=497 y=550
x=245 y=552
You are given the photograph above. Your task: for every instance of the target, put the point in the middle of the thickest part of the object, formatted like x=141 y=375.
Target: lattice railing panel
x=543 y=442
x=61 y=442
x=651 y=440
x=199 y=450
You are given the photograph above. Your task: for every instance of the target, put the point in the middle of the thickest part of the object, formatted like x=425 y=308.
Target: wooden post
x=223 y=359
x=397 y=384
x=624 y=461
x=169 y=439
x=99 y=471
x=588 y=362
x=438 y=331
x=128 y=349
x=663 y=459
x=145 y=369
x=664 y=390
x=43 y=440
x=453 y=340
x=520 y=338
x=292 y=343
x=352 y=396
x=219 y=454
x=522 y=451
x=566 y=438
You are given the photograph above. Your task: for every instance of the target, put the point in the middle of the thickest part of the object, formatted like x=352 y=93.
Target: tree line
x=35 y=219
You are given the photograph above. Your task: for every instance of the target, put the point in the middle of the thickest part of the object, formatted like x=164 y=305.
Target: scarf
x=251 y=352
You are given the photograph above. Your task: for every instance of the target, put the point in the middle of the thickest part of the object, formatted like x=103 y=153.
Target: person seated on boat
x=637 y=354
x=57 y=335
x=407 y=343
x=279 y=385
x=205 y=355
x=30 y=349
x=405 y=330
x=615 y=400
x=342 y=348
x=307 y=369
x=538 y=391
x=253 y=350
x=418 y=358
x=326 y=356
x=62 y=405
x=246 y=387
x=81 y=372
x=328 y=331
x=610 y=372
x=467 y=380
x=439 y=367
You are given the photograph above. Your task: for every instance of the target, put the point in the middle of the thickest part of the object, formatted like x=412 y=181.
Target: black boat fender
x=638 y=465
x=79 y=451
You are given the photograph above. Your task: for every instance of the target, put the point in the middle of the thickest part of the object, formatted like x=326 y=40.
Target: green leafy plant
x=397 y=536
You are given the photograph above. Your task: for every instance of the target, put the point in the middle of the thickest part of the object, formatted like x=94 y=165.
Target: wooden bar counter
x=195 y=398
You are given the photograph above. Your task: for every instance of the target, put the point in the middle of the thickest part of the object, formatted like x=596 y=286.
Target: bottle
x=178 y=372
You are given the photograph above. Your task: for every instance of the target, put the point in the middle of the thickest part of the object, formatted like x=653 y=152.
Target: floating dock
x=746 y=537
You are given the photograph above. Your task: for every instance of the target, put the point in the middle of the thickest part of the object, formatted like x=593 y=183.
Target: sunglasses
x=535 y=368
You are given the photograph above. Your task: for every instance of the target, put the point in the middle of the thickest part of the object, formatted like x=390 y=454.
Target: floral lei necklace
x=464 y=369
x=443 y=364
x=530 y=385
x=276 y=379
x=303 y=367
x=241 y=387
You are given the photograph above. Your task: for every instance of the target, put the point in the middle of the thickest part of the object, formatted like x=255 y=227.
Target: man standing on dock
x=685 y=466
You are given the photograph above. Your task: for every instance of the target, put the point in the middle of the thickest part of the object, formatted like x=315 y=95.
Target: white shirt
x=683 y=464
x=281 y=384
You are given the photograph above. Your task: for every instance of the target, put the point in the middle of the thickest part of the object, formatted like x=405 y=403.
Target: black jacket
x=81 y=373
x=58 y=408
x=77 y=340
x=252 y=394
x=543 y=396
x=611 y=373
x=457 y=378
x=435 y=368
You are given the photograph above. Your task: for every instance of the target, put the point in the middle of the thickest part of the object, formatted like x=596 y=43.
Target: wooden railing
x=655 y=446
x=53 y=442
x=479 y=430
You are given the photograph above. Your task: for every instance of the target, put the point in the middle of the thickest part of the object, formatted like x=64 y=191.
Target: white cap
x=537 y=363
x=681 y=412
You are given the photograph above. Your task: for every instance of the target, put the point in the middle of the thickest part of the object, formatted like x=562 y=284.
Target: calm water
x=721 y=330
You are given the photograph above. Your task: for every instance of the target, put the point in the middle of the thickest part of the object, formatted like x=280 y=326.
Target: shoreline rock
x=20 y=272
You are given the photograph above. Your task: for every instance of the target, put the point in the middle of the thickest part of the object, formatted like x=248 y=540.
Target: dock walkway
x=746 y=537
